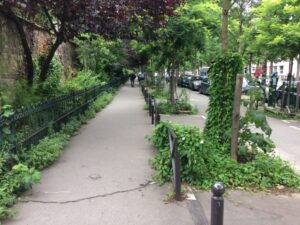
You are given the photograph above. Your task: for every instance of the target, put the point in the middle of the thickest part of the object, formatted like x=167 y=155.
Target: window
x=281 y=69
x=275 y=69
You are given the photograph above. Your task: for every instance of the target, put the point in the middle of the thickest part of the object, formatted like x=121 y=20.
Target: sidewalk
x=104 y=177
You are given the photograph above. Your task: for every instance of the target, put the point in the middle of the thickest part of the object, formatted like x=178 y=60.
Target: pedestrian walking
x=132 y=78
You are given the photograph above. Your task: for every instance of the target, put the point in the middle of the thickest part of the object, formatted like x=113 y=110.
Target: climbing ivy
x=222 y=76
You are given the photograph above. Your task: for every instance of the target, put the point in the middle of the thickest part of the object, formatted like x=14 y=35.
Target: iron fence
x=28 y=125
x=152 y=106
x=175 y=163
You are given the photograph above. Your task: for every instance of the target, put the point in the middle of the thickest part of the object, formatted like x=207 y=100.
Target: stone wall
x=12 y=64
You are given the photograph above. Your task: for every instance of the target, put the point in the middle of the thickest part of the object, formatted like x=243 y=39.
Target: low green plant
x=52 y=85
x=84 y=79
x=202 y=163
x=252 y=142
x=14 y=182
x=182 y=105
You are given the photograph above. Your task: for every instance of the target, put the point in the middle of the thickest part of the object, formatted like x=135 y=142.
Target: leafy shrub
x=84 y=79
x=182 y=105
x=250 y=143
x=46 y=152
x=51 y=86
x=19 y=95
x=19 y=179
x=202 y=163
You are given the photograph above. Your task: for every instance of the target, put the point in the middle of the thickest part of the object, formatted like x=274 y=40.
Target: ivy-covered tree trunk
x=220 y=108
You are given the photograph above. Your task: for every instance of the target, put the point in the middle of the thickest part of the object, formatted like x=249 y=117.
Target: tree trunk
x=25 y=45
x=289 y=81
x=241 y=20
x=250 y=64
x=298 y=68
x=264 y=75
x=236 y=117
x=46 y=63
x=172 y=81
x=271 y=68
x=224 y=35
x=297 y=97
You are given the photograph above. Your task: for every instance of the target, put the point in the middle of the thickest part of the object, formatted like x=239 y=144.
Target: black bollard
x=217 y=204
x=152 y=110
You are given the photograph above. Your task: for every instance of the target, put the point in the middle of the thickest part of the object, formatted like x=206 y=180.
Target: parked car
x=183 y=81
x=204 y=86
x=195 y=82
x=293 y=93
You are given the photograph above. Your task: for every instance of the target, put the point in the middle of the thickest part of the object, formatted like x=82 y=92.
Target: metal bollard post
x=152 y=111
x=217 y=204
x=149 y=103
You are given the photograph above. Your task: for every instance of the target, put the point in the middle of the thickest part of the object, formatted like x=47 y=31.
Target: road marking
x=190 y=194
x=285 y=121
x=204 y=117
x=296 y=128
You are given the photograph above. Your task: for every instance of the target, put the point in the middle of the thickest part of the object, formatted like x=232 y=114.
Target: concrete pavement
x=103 y=177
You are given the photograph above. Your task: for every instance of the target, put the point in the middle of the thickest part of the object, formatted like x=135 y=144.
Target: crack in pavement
x=142 y=186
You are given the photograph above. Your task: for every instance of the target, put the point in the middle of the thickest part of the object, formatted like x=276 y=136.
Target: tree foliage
x=66 y=19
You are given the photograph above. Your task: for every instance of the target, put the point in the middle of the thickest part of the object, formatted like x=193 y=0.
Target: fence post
x=149 y=104
x=177 y=173
x=157 y=116
x=217 y=204
x=152 y=110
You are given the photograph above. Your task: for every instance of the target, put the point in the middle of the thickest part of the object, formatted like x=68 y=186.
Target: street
x=285 y=133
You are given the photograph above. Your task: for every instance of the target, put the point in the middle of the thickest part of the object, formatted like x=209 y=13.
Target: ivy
x=202 y=165
x=222 y=76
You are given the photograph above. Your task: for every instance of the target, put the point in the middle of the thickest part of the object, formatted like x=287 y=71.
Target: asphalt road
x=285 y=134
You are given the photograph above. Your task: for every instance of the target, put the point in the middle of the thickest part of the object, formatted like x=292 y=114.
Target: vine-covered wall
x=12 y=62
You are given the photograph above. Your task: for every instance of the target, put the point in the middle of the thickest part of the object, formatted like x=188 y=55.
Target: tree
x=277 y=28
x=98 y=54
x=66 y=19
x=181 y=42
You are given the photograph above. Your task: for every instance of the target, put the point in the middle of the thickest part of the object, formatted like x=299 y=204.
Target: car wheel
x=200 y=90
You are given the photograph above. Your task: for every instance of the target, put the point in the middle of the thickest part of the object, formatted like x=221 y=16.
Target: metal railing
x=29 y=125
x=175 y=163
x=152 y=106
